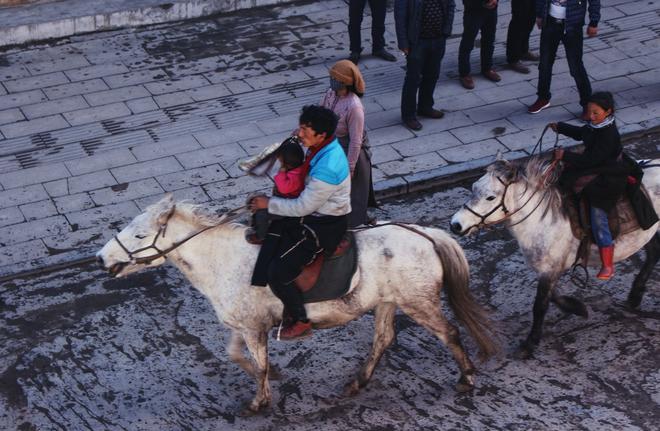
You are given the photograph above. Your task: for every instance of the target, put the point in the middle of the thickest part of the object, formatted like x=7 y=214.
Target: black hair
x=320 y=119
x=291 y=153
x=352 y=89
x=604 y=99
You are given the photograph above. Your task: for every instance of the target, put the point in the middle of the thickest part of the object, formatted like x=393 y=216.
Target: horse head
x=140 y=244
x=487 y=205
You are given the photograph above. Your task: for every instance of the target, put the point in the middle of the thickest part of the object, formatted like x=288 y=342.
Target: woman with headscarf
x=343 y=98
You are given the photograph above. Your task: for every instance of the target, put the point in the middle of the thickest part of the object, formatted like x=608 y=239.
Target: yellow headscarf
x=346 y=72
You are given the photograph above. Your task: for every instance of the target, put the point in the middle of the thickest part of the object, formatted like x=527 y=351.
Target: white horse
x=534 y=214
x=396 y=268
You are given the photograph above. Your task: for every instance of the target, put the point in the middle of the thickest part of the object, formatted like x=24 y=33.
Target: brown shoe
x=519 y=67
x=538 y=106
x=413 y=124
x=295 y=331
x=467 y=82
x=433 y=113
x=530 y=56
x=491 y=75
x=585 y=115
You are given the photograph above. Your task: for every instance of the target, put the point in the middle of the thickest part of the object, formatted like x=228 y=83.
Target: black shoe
x=382 y=53
x=433 y=113
x=530 y=56
x=354 y=57
x=413 y=124
x=519 y=67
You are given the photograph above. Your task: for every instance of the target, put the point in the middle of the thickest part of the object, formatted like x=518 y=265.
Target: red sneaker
x=538 y=106
x=296 y=331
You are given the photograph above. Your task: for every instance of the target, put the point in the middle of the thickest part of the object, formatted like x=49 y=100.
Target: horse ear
x=512 y=174
x=499 y=157
x=165 y=208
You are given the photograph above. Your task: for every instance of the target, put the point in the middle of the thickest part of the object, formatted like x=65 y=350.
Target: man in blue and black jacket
x=562 y=21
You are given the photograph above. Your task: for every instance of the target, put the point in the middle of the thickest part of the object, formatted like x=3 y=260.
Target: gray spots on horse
x=388 y=253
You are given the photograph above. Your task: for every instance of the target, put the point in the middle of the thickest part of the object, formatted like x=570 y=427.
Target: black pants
x=523 y=17
x=551 y=35
x=298 y=247
x=355 y=14
x=477 y=20
x=422 y=72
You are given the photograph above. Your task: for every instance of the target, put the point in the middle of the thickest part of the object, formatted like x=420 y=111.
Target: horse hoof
x=351 y=389
x=633 y=301
x=252 y=408
x=524 y=352
x=274 y=373
x=465 y=383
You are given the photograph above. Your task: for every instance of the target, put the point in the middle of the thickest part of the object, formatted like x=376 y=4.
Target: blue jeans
x=475 y=20
x=551 y=34
x=600 y=227
x=422 y=72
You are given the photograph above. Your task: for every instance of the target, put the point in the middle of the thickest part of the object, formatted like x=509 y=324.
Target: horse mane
x=203 y=215
x=536 y=175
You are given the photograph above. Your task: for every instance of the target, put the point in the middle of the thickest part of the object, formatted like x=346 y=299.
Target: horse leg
x=235 y=351
x=541 y=302
x=257 y=344
x=430 y=317
x=652 y=249
x=383 y=337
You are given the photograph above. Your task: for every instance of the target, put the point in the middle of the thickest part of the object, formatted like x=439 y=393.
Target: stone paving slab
x=95 y=127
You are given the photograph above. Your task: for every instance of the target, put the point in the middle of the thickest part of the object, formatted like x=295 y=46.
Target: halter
x=145 y=260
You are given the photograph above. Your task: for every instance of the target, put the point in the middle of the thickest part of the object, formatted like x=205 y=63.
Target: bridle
x=508 y=214
x=145 y=260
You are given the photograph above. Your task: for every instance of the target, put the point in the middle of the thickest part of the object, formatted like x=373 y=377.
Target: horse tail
x=456 y=280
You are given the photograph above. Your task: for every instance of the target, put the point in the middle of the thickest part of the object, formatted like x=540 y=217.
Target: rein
x=508 y=214
x=229 y=216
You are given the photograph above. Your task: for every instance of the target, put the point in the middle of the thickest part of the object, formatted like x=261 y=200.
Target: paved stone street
x=83 y=351
x=95 y=127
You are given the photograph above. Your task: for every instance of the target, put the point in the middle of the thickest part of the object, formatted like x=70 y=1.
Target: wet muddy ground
x=81 y=351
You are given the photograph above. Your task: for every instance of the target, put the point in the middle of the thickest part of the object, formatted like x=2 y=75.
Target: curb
x=386 y=189
x=115 y=16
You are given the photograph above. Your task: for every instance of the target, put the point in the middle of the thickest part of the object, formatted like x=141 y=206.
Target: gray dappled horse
x=518 y=196
x=397 y=268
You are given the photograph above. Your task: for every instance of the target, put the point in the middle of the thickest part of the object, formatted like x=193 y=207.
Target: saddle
x=622 y=219
x=329 y=277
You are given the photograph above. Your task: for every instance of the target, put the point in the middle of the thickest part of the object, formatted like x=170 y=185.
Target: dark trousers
x=477 y=20
x=551 y=34
x=523 y=17
x=422 y=72
x=355 y=14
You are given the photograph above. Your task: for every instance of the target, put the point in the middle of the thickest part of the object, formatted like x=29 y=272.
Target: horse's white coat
x=396 y=267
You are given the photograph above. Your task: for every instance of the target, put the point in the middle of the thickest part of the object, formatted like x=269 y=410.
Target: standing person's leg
x=430 y=75
x=550 y=38
x=573 y=44
x=527 y=21
x=411 y=85
x=355 y=14
x=471 y=24
x=513 y=36
x=378 y=12
x=488 y=28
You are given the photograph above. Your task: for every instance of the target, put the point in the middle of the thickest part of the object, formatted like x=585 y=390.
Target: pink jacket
x=289 y=184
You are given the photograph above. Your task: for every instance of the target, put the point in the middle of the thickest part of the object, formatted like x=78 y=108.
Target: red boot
x=294 y=331
x=607 y=257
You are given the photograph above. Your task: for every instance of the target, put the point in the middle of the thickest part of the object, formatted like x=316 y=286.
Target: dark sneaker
x=467 y=82
x=433 y=113
x=538 y=106
x=382 y=53
x=585 y=115
x=491 y=75
x=413 y=124
x=354 y=57
x=296 y=331
x=530 y=56
x=519 y=67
